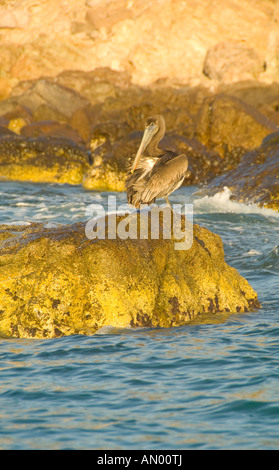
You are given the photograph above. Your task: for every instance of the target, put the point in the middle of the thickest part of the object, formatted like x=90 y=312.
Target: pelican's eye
x=151 y=125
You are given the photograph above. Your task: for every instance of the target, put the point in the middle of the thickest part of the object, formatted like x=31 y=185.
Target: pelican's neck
x=152 y=149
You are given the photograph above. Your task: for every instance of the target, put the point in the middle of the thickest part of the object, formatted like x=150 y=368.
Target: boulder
x=42 y=159
x=62 y=281
x=10 y=109
x=255 y=179
x=4 y=131
x=263 y=97
x=232 y=61
x=50 y=129
x=60 y=99
x=45 y=112
x=231 y=127
x=134 y=104
x=96 y=85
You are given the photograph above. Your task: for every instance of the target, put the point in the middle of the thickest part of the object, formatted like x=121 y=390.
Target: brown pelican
x=159 y=173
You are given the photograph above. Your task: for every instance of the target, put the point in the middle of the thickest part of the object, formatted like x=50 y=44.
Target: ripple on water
x=211 y=384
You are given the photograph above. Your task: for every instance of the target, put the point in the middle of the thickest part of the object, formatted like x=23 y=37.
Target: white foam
x=25 y=204
x=53 y=225
x=252 y=252
x=110 y=329
x=221 y=202
x=18 y=222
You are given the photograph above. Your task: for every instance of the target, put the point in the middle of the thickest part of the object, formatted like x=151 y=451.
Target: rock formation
x=58 y=281
x=256 y=178
x=163 y=39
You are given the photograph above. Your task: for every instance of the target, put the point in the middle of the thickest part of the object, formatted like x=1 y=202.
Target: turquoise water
x=211 y=384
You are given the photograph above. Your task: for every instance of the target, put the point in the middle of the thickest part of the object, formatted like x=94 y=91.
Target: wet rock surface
x=104 y=113
x=50 y=129
x=42 y=159
x=256 y=178
x=58 y=282
x=214 y=130
x=231 y=127
x=262 y=97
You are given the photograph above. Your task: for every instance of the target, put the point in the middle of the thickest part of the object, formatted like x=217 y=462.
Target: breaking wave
x=221 y=203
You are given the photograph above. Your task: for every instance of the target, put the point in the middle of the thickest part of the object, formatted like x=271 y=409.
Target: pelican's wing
x=135 y=183
x=166 y=176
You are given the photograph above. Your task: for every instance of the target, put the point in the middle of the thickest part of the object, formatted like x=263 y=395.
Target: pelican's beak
x=149 y=132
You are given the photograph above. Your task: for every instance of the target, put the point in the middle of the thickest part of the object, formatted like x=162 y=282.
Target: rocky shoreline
x=91 y=79
x=62 y=137
x=73 y=101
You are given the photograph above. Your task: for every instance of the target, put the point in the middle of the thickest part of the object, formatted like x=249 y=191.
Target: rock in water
x=231 y=127
x=59 y=282
x=42 y=160
x=255 y=179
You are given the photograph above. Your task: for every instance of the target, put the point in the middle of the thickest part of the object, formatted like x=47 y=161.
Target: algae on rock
x=58 y=282
x=54 y=160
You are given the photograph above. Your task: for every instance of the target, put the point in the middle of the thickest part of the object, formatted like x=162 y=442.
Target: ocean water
x=211 y=384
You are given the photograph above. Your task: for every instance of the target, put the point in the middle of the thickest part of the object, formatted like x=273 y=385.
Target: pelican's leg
x=168 y=202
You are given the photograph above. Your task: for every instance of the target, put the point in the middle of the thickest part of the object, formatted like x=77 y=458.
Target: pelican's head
x=152 y=125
